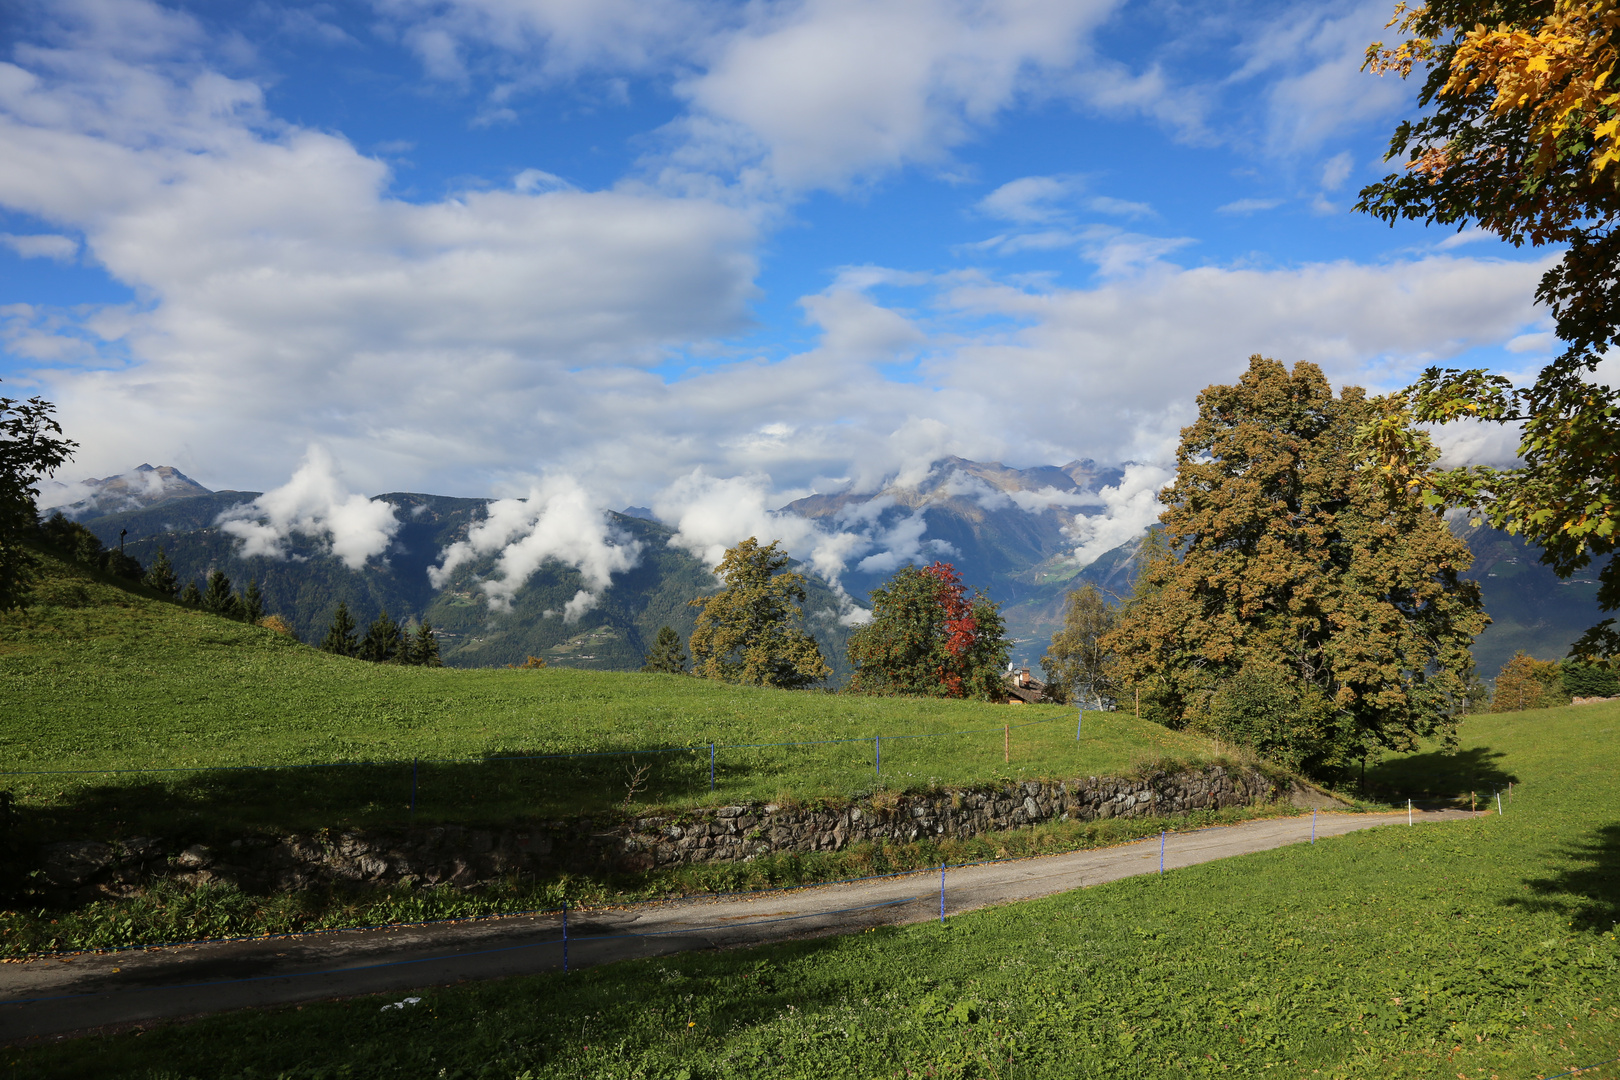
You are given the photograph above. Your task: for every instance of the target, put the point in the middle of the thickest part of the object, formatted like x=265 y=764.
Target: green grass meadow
x=1479 y=949
x=99 y=677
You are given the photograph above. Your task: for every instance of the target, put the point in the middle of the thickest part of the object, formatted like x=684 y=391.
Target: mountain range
x=1009 y=531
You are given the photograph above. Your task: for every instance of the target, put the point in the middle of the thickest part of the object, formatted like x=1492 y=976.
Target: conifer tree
x=252 y=603
x=161 y=578
x=425 y=648
x=666 y=656
x=1583 y=679
x=191 y=597
x=382 y=641
x=405 y=655
x=340 y=636
x=1291 y=566
x=218 y=598
x=745 y=633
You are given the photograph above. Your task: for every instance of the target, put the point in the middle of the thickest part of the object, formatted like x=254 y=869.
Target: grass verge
x=168 y=912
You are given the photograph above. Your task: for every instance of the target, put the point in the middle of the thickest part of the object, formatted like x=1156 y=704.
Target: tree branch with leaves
x=1521 y=137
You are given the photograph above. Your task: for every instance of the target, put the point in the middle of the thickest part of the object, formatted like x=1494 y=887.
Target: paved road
x=51 y=997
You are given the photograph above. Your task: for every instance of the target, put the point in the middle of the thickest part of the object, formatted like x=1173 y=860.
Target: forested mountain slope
x=1009 y=531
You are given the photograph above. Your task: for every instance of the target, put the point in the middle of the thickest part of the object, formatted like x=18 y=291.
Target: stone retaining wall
x=466 y=857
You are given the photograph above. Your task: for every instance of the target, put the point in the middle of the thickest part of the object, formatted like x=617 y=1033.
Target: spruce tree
x=191 y=598
x=217 y=597
x=160 y=577
x=382 y=641
x=666 y=656
x=252 y=603
x=406 y=655
x=340 y=637
x=425 y=648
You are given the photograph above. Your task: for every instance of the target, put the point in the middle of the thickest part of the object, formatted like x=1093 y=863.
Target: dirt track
x=80 y=993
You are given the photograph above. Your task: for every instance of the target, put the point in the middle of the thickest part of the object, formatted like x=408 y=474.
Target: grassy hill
x=1476 y=949
x=100 y=676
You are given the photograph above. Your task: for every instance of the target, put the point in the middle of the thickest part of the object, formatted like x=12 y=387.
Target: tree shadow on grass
x=1441 y=777
x=1587 y=890
x=351 y=794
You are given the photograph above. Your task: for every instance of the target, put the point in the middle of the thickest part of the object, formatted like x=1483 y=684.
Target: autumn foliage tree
x=746 y=632
x=1520 y=136
x=928 y=637
x=1527 y=683
x=1298 y=605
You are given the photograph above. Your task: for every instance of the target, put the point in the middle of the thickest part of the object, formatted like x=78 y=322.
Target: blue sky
x=703 y=256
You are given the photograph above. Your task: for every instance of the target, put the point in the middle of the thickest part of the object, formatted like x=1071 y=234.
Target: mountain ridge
x=999 y=527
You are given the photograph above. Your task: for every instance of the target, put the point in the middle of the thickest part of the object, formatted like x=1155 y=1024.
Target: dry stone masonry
x=465 y=857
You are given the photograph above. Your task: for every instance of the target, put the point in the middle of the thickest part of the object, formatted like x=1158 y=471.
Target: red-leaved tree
x=929 y=637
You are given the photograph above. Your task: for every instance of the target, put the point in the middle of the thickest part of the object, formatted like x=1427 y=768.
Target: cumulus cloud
x=557 y=521
x=315 y=504
x=289 y=294
x=828 y=92
x=47 y=246
x=1128 y=509
x=286 y=289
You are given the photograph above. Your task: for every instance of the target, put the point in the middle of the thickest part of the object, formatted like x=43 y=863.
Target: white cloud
x=551 y=39
x=286 y=292
x=825 y=93
x=1032 y=200
x=1336 y=170
x=1248 y=206
x=48 y=246
x=288 y=296
x=1314 y=87
x=1472 y=442
x=1128 y=509
x=316 y=504
x=557 y=521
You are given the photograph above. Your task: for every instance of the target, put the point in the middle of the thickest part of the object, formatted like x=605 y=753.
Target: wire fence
x=560 y=944
x=368 y=779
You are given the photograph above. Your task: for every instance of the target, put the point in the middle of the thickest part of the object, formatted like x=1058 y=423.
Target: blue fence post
x=877 y=746
x=1161 y=851
x=565 y=935
x=942 y=892
x=1079 y=723
x=413 y=786
x=1313 y=826
x=711 y=766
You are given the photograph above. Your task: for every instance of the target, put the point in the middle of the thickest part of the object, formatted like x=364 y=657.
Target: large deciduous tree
x=1521 y=136
x=1076 y=663
x=30 y=447
x=930 y=638
x=1299 y=606
x=746 y=632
